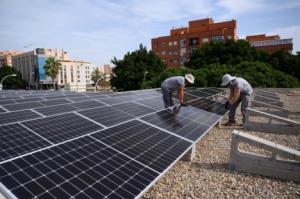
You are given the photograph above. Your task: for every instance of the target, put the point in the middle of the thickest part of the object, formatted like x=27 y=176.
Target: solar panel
x=3 y=102
x=88 y=104
x=52 y=110
x=55 y=102
x=107 y=116
x=83 y=168
x=16 y=140
x=50 y=97
x=79 y=99
x=199 y=93
x=188 y=97
x=210 y=91
x=118 y=100
x=33 y=99
x=177 y=124
x=209 y=105
x=2 y=110
x=146 y=144
x=62 y=127
x=17 y=116
x=23 y=106
x=134 y=109
x=155 y=102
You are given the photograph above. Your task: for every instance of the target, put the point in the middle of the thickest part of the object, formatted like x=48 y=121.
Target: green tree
x=52 y=68
x=137 y=66
x=12 y=82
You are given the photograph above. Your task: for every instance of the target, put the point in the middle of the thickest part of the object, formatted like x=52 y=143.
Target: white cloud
x=235 y=7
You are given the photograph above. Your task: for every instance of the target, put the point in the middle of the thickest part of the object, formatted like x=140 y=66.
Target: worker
x=173 y=84
x=240 y=91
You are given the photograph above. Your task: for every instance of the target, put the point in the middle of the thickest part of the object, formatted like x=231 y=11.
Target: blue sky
x=98 y=30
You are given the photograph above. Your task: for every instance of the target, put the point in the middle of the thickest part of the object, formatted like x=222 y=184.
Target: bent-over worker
x=173 y=84
x=240 y=91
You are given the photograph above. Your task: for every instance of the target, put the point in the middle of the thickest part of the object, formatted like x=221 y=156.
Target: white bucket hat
x=226 y=79
x=190 y=78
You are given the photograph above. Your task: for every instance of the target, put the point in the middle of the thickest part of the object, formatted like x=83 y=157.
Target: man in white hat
x=173 y=84
x=240 y=91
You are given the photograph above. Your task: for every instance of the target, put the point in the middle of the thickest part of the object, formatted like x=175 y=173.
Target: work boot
x=230 y=123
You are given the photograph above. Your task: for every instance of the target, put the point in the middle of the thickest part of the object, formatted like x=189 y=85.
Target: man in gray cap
x=240 y=91
x=173 y=84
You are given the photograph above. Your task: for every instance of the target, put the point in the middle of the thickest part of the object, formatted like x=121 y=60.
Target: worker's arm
x=234 y=95
x=180 y=93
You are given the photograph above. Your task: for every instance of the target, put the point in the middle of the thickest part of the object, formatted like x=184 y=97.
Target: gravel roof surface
x=208 y=176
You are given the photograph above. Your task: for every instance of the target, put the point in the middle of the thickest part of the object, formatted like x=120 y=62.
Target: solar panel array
x=95 y=145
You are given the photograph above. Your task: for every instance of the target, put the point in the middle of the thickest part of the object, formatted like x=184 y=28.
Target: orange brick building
x=271 y=43
x=175 y=49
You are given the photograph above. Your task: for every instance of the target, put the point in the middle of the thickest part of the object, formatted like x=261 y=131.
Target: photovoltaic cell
x=155 y=102
x=82 y=168
x=23 y=106
x=210 y=91
x=177 y=124
x=17 y=116
x=146 y=144
x=210 y=106
x=52 y=110
x=33 y=99
x=118 y=100
x=88 y=104
x=3 y=102
x=134 y=109
x=79 y=99
x=107 y=116
x=16 y=140
x=199 y=93
x=55 y=102
x=2 y=110
x=62 y=127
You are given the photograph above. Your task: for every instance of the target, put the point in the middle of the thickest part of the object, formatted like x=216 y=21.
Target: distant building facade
x=105 y=69
x=31 y=65
x=271 y=43
x=176 y=48
x=75 y=72
x=6 y=57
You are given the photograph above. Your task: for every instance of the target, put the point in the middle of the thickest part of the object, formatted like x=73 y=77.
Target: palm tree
x=96 y=75
x=52 y=68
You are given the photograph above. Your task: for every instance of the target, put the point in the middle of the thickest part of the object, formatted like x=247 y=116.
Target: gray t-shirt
x=173 y=83
x=241 y=84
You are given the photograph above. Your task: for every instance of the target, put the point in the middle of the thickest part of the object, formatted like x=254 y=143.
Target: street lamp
x=103 y=76
x=146 y=72
x=11 y=75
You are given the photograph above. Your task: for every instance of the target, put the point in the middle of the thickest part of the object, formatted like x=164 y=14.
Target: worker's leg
x=245 y=101
x=171 y=99
x=232 y=110
x=166 y=97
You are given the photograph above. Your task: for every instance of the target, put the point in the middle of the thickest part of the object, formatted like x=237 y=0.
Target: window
x=182 y=60
x=163 y=44
x=173 y=61
x=163 y=52
x=72 y=74
x=229 y=37
x=182 y=51
x=205 y=39
x=78 y=80
x=194 y=41
x=173 y=52
x=61 y=76
x=170 y=43
x=174 y=43
x=65 y=72
x=182 y=42
x=218 y=38
x=192 y=50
